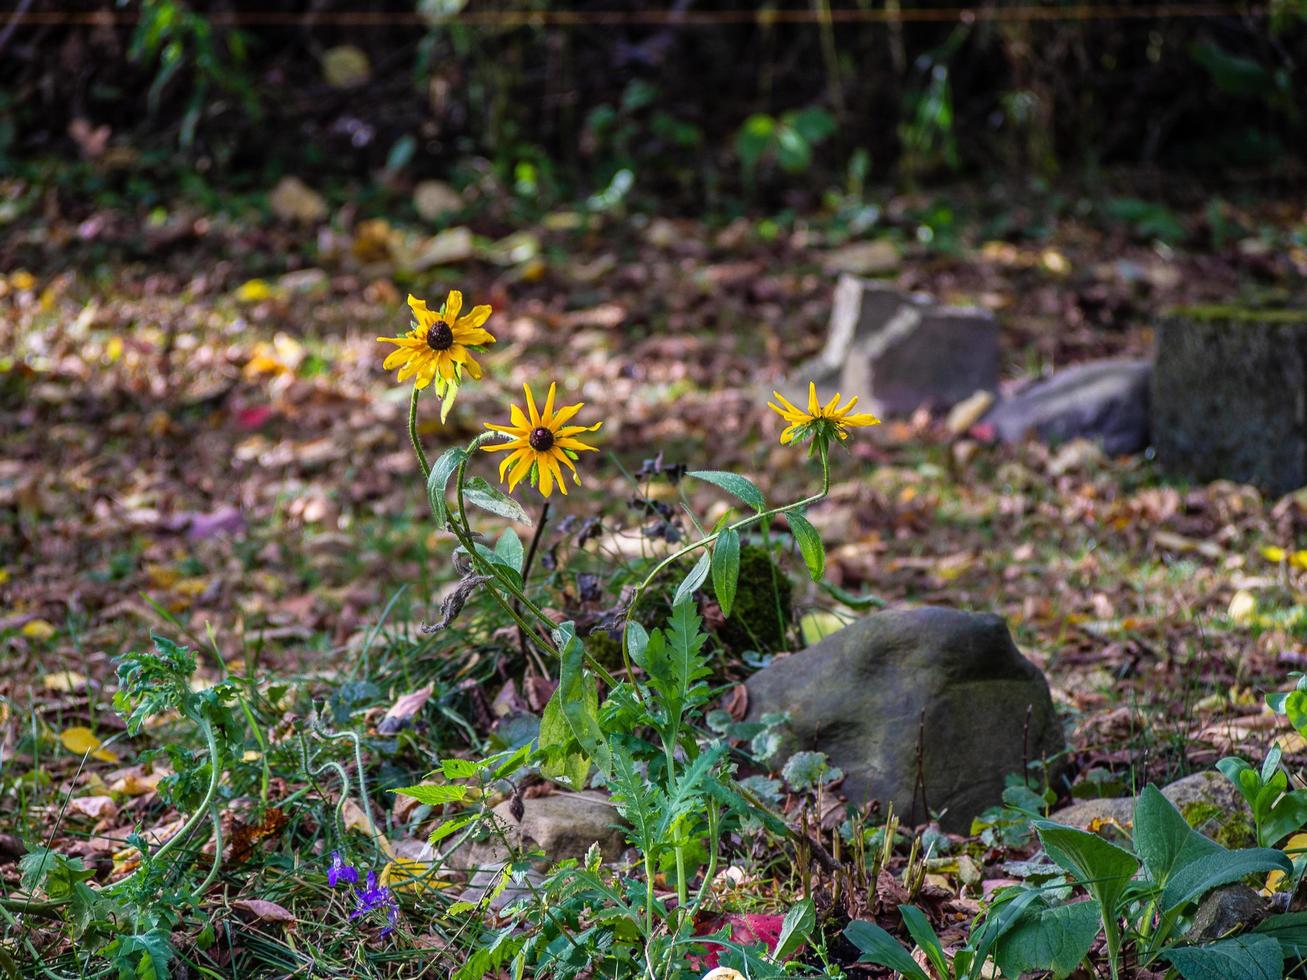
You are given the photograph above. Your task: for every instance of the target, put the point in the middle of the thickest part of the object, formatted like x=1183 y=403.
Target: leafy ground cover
x=199 y=441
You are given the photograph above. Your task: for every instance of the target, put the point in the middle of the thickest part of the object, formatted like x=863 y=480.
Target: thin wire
x=659 y=18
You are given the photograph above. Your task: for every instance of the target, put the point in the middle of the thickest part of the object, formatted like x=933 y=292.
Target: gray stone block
x=902 y=351
x=1229 y=397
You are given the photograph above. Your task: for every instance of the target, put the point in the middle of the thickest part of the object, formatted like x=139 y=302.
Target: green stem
x=413 y=434
x=708 y=539
x=463 y=531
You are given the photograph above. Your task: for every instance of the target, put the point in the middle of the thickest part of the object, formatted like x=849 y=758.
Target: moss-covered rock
x=1229 y=828
x=754 y=623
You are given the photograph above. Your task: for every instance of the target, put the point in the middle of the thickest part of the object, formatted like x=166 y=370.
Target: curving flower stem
x=413 y=434
x=822 y=451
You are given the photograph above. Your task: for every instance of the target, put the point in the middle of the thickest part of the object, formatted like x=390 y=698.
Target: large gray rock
x=1105 y=401
x=861 y=694
x=1230 y=397
x=902 y=351
x=561 y=826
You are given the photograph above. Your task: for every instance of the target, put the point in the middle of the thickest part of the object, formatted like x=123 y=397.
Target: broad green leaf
x=879 y=947
x=438 y=481
x=1290 y=930
x=1054 y=939
x=923 y=934
x=451 y=827
x=809 y=542
x=1102 y=868
x=726 y=568
x=434 y=794
x=579 y=696
x=692 y=581
x=458 y=768
x=795 y=929
x=509 y=547
x=479 y=493
x=734 y=484
x=1251 y=957
x=637 y=639
x=569 y=768
x=1197 y=878
x=1164 y=840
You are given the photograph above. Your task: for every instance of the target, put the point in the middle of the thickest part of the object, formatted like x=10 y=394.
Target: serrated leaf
x=810 y=544
x=458 y=768
x=735 y=485
x=438 y=481
x=726 y=568
x=479 y=493
x=434 y=794
x=692 y=581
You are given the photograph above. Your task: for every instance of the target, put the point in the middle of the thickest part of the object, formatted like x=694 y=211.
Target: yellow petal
x=522 y=468
x=547 y=416
x=531 y=407
x=478 y=316
x=453 y=306
x=546 y=476
x=813 y=405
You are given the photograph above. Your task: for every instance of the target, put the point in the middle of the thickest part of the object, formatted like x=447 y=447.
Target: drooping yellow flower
x=819 y=420
x=539 y=442
x=440 y=345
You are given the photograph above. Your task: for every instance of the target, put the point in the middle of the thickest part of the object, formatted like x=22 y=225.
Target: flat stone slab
x=945 y=687
x=1103 y=401
x=902 y=351
x=1229 y=397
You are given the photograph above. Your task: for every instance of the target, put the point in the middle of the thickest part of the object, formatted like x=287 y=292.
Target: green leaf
x=479 y=493
x=1197 y=878
x=879 y=947
x=451 y=827
x=1251 y=957
x=438 y=481
x=923 y=934
x=692 y=581
x=1102 y=868
x=578 y=696
x=1053 y=939
x=1290 y=930
x=796 y=928
x=434 y=794
x=1163 y=838
x=570 y=768
x=459 y=768
x=733 y=484
x=726 y=568
x=809 y=542
x=509 y=547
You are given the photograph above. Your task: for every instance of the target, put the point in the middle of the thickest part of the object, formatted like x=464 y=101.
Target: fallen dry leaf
x=264 y=911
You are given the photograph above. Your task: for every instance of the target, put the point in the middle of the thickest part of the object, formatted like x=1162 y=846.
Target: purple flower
x=340 y=871
x=374 y=898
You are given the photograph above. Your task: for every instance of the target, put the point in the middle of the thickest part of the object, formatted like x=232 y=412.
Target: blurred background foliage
x=691 y=105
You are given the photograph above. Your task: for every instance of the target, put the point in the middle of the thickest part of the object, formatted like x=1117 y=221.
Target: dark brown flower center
x=440 y=336
x=541 y=439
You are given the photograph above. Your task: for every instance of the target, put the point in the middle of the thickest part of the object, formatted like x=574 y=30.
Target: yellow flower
x=540 y=441
x=439 y=346
x=819 y=420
